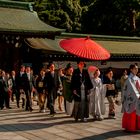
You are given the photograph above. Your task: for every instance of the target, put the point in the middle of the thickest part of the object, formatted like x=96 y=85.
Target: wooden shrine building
x=18 y=21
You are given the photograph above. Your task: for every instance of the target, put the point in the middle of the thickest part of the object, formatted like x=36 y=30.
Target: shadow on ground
x=111 y=134
x=31 y=126
x=35 y=126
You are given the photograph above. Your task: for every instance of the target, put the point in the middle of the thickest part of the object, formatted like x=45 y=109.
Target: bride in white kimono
x=97 y=96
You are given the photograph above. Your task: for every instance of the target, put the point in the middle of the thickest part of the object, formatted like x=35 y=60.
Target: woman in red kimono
x=131 y=101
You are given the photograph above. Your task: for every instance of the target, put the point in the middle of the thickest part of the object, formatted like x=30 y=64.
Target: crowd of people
x=81 y=91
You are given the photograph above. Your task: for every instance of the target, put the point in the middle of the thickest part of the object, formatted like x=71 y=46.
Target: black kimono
x=80 y=85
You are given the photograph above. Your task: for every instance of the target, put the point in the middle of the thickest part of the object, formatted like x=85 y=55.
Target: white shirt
x=28 y=74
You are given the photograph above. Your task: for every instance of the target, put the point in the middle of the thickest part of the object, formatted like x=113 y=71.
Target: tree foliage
x=112 y=17
x=59 y=13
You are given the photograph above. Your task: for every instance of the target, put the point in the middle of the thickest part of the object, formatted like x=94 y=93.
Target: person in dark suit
x=4 y=91
x=52 y=83
x=81 y=85
x=19 y=85
x=13 y=88
x=28 y=87
x=1 y=94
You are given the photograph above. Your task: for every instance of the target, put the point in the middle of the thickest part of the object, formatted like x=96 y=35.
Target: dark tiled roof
x=16 y=18
x=16 y=4
x=45 y=44
x=119 y=49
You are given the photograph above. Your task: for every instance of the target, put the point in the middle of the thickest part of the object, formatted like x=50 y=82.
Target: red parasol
x=85 y=48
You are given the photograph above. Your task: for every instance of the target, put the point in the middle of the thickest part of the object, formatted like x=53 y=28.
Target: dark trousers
x=65 y=105
x=1 y=100
x=18 y=94
x=7 y=99
x=28 y=100
x=4 y=100
x=51 y=101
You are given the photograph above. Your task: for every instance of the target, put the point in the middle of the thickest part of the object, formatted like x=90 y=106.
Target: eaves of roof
x=23 y=21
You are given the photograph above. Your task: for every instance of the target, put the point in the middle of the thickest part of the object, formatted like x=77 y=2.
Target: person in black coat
x=81 y=85
x=13 y=88
x=52 y=85
x=111 y=92
x=28 y=87
x=4 y=91
x=19 y=85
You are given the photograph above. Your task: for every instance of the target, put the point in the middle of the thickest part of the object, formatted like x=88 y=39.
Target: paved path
x=17 y=124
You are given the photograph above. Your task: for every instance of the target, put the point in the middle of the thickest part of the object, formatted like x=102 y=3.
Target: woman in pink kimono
x=131 y=101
